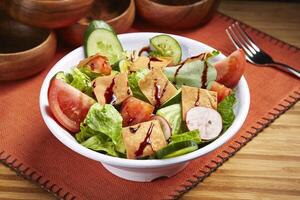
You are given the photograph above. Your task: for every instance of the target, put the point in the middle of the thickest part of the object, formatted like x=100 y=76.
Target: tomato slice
x=231 y=69
x=68 y=105
x=135 y=111
x=221 y=89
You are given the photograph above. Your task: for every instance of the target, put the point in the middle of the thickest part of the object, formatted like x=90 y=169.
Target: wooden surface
x=46 y=14
x=266 y=168
x=184 y=16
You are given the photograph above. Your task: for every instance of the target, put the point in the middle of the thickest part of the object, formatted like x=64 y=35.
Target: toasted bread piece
x=140 y=63
x=143 y=139
x=157 y=88
x=118 y=84
x=192 y=97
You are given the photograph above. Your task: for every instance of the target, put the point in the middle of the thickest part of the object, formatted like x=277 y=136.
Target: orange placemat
x=27 y=146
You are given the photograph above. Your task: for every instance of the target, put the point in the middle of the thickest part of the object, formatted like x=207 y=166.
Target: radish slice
x=207 y=120
x=166 y=128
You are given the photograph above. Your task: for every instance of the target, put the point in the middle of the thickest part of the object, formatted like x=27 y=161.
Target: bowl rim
x=197 y=3
x=59 y=132
x=130 y=6
x=51 y=35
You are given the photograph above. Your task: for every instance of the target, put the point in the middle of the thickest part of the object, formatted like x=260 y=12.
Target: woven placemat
x=27 y=146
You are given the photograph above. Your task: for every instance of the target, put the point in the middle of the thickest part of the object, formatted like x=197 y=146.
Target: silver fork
x=254 y=54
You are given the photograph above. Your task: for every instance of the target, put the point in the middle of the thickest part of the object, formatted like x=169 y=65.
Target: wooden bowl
x=118 y=13
x=24 y=50
x=46 y=14
x=177 y=14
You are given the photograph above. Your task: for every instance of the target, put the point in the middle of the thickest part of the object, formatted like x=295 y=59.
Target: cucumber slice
x=166 y=46
x=96 y=24
x=177 y=149
x=103 y=41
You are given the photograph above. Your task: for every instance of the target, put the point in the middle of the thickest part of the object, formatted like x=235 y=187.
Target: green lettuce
x=225 y=108
x=190 y=74
x=103 y=119
x=87 y=71
x=133 y=81
x=191 y=135
x=173 y=115
x=78 y=80
x=100 y=143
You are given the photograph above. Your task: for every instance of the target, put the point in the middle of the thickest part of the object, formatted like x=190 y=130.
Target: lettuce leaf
x=133 y=81
x=92 y=75
x=191 y=135
x=190 y=73
x=78 y=80
x=81 y=81
x=107 y=120
x=225 y=108
x=99 y=143
x=173 y=115
x=85 y=133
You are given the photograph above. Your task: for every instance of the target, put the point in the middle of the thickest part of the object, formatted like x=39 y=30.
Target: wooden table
x=266 y=168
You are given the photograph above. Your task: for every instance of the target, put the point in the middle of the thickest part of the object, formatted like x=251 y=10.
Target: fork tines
x=241 y=40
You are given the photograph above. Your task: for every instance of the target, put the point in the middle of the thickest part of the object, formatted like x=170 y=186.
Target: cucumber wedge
x=100 y=38
x=177 y=149
x=166 y=46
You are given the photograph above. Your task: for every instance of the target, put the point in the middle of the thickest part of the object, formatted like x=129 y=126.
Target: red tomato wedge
x=221 y=89
x=68 y=105
x=135 y=111
x=231 y=69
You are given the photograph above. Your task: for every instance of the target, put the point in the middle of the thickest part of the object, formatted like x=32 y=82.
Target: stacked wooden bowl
x=28 y=41
x=177 y=14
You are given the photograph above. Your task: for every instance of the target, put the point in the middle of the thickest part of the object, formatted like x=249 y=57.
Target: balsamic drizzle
x=134 y=129
x=128 y=88
x=158 y=94
x=176 y=72
x=109 y=93
x=197 y=102
x=146 y=141
x=144 y=49
x=204 y=76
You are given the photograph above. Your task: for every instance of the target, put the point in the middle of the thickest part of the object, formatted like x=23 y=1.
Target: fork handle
x=287 y=69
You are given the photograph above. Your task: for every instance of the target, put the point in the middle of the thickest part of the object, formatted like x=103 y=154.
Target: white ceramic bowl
x=142 y=170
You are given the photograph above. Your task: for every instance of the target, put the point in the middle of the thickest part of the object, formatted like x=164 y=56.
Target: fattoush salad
x=148 y=103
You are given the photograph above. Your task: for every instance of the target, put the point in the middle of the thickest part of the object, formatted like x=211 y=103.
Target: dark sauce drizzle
x=197 y=102
x=134 y=129
x=158 y=94
x=144 y=49
x=204 y=76
x=146 y=141
x=128 y=89
x=109 y=93
x=177 y=71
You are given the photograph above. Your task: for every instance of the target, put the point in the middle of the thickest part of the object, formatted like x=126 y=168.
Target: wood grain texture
x=120 y=17
x=266 y=168
x=185 y=15
x=24 y=50
x=46 y=14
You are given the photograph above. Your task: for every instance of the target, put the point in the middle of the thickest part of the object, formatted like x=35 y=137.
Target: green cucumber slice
x=177 y=149
x=166 y=46
x=103 y=41
x=96 y=24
